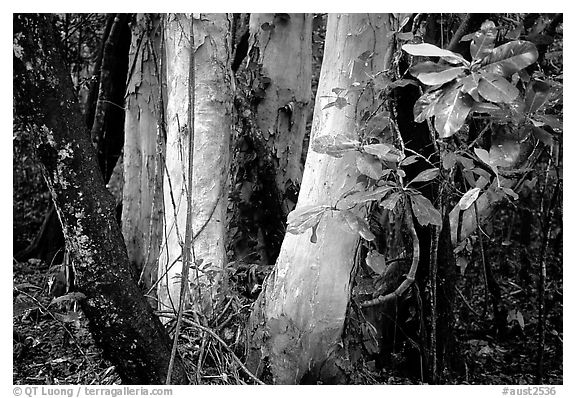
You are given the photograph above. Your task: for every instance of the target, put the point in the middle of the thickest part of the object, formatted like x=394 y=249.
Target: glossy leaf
x=357 y=224
x=468 y=198
x=510 y=58
x=391 y=202
x=542 y=135
x=430 y=50
x=548 y=120
x=383 y=151
x=425 y=211
x=497 y=89
x=484 y=156
x=449 y=160
x=536 y=95
x=470 y=85
x=482 y=43
x=424 y=106
x=510 y=192
x=505 y=154
x=451 y=111
x=431 y=73
x=369 y=165
x=334 y=145
x=376 y=262
x=409 y=160
x=302 y=218
x=426 y=175
x=367 y=196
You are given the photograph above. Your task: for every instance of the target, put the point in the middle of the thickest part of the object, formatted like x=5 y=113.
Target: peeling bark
x=212 y=126
x=299 y=317
x=285 y=56
x=122 y=322
x=144 y=149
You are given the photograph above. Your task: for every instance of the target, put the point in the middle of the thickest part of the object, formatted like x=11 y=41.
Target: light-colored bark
x=285 y=55
x=212 y=126
x=304 y=302
x=144 y=150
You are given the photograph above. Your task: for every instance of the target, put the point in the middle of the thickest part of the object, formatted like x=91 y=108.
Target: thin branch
x=167 y=314
x=411 y=277
x=188 y=241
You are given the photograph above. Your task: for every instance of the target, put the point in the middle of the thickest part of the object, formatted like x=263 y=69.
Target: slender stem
x=167 y=314
x=411 y=277
x=188 y=234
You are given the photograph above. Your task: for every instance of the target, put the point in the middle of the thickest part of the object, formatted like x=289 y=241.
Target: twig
x=44 y=308
x=481 y=241
x=167 y=314
x=466 y=302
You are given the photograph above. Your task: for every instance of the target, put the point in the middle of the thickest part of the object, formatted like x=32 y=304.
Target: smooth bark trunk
x=212 y=89
x=144 y=148
x=299 y=317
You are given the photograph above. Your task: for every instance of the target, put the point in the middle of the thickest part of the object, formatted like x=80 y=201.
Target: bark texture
x=144 y=148
x=121 y=320
x=285 y=55
x=212 y=90
x=299 y=317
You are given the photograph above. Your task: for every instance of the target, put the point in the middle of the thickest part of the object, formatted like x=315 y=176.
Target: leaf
x=426 y=175
x=449 y=160
x=487 y=107
x=451 y=111
x=368 y=196
x=391 y=202
x=482 y=43
x=334 y=145
x=424 y=106
x=510 y=192
x=425 y=211
x=549 y=120
x=470 y=85
x=383 y=151
x=339 y=103
x=302 y=218
x=542 y=135
x=468 y=198
x=484 y=156
x=369 y=166
x=509 y=58
x=431 y=73
x=376 y=262
x=74 y=296
x=537 y=93
x=497 y=89
x=504 y=151
x=430 y=50
x=409 y=160
x=357 y=224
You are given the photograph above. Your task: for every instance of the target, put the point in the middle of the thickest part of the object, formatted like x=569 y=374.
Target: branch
x=219 y=339
x=411 y=277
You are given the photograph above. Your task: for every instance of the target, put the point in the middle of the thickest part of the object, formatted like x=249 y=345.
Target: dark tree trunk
x=105 y=99
x=122 y=322
x=108 y=124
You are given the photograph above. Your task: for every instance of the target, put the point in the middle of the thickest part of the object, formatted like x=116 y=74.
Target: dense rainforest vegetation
x=288 y=198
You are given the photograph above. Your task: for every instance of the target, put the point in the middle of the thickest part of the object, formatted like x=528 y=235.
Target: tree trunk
x=281 y=46
x=144 y=149
x=210 y=84
x=108 y=124
x=105 y=116
x=299 y=317
x=120 y=319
